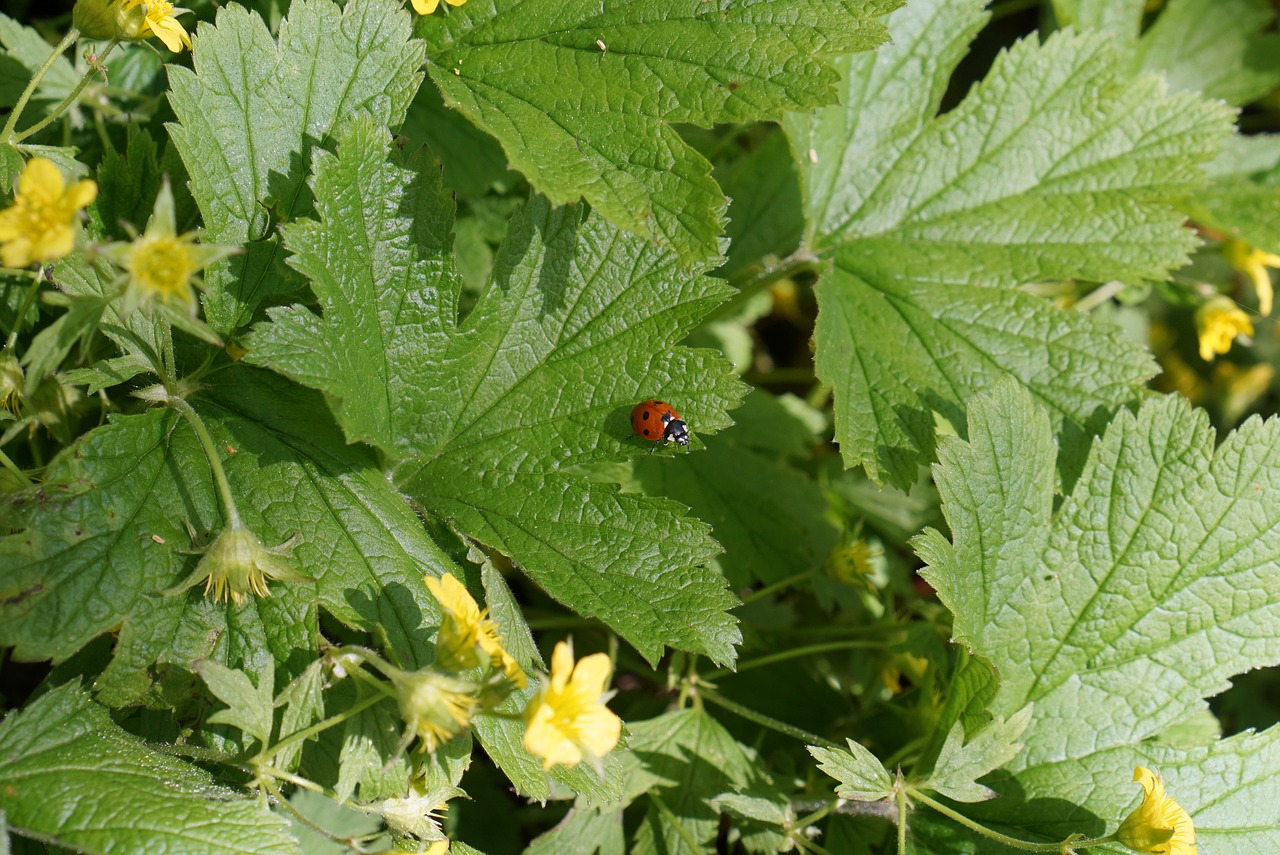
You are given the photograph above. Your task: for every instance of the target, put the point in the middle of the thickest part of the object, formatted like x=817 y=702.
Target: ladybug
x=658 y=421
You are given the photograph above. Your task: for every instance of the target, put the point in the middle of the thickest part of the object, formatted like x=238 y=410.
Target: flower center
x=157 y=9
x=38 y=212
x=163 y=266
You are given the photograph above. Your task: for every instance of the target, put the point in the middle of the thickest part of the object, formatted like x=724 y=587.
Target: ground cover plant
x=329 y=522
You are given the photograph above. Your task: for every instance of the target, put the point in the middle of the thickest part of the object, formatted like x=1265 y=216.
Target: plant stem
x=7 y=133
x=318 y=727
x=296 y=780
x=1098 y=296
x=215 y=463
x=817 y=815
x=1060 y=847
x=793 y=653
x=674 y=820
x=13 y=468
x=285 y=803
x=764 y=720
x=798 y=261
x=776 y=586
x=900 y=796
x=37 y=278
x=69 y=100
x=807 y=845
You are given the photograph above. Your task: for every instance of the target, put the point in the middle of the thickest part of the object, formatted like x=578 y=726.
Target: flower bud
x=110 y=19
x=435 y=707
x=237 y=564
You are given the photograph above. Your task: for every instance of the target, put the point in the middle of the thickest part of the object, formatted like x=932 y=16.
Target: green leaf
x=339 y=822
x=25 y=51
x=768 y=515
x=472 y=161
x=372 y=763
x=97 y=542
x=765 y=214
x=1054 y=167
x=583 y=831
x=1149 y=586
x=128 y=184
x=582 y=97
x=962 y=762
x=52 y=344
x=1218 y=47
x=969 y=695
x=682 y=761
x=107 y=373
x=249 y=708
x=862 y=777
x=1243 y=197
x=73 y=776
x=303 y=702
x=480 y=417
x=1120 y=17
x=253 y=109
x=504 y=609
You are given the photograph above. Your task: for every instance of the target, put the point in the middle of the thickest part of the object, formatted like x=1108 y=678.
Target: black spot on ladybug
x=645 y=416
x=646 y=430
x=660 y=403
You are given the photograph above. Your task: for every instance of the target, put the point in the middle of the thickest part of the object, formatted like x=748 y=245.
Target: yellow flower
x=237 y=564
x=41 y=225
x=467 y=631
x=426 y=7
x=1253 y=262
x=1159 y=825
x=435 y=707
x=1219 y=322
x=162 y=23
x=161 y=265
x=568 y=720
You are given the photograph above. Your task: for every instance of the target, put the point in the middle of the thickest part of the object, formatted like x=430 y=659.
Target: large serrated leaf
x=1152 y=583
x=1055 y=166
x=72 y=776
x=98 y=542
x=582 y=95
x=254 y=107
x=480 y=417
x=1219 y=47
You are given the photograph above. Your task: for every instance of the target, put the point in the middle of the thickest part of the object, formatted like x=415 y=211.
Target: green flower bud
x=237 y=564
x=110 y=19
x=435 y=707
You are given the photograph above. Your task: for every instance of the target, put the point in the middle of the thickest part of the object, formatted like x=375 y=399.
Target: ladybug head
x=676 y=431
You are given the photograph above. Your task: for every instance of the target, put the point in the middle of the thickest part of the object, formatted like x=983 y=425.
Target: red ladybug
x=658 y=421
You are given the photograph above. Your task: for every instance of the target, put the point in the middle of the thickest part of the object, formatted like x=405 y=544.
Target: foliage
x=979 y=513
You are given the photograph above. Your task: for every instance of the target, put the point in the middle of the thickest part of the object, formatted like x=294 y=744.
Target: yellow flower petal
x=591 y=674
x=1253 y=263
x=466 y=631
x=159 y=265
x=567 y=721
x=1159 y=825
x=425 y=7
x=41 y=177
x=1219 y=322
x=42 y=223
x=171 y=33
